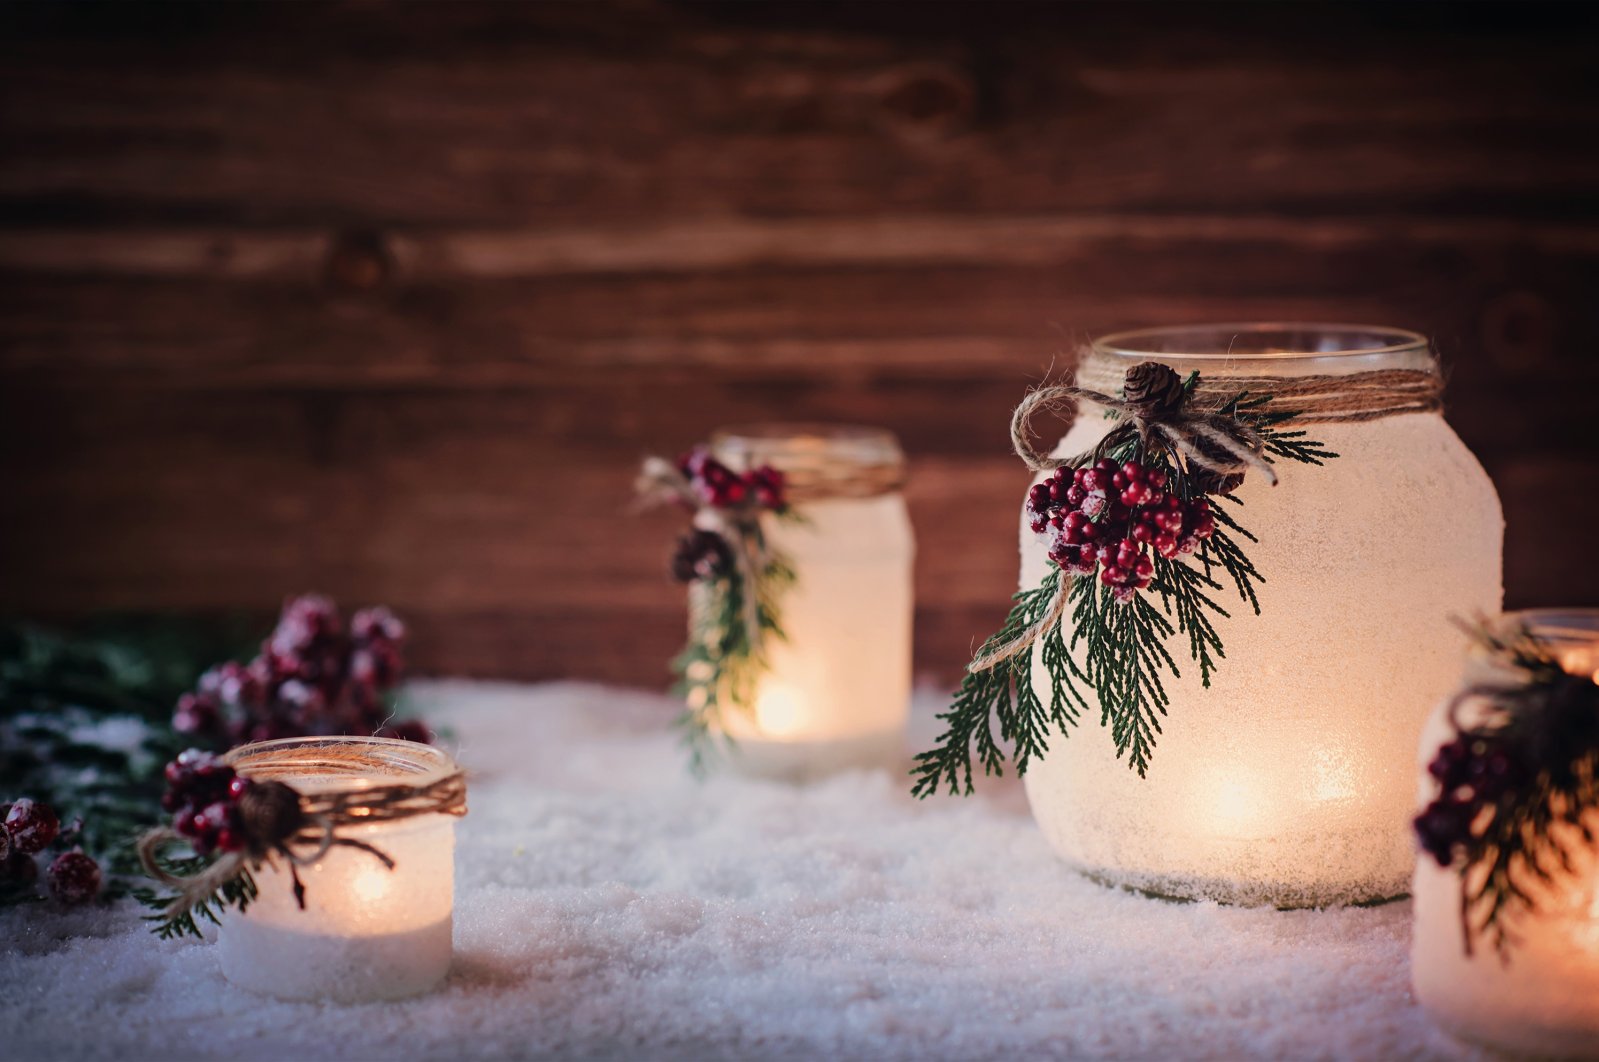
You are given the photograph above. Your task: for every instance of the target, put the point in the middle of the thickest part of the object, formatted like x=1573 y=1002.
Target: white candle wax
x=837 y=692
x=367 y=932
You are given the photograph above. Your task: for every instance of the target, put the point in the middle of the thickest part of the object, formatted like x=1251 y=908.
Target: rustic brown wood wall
x=388 y=299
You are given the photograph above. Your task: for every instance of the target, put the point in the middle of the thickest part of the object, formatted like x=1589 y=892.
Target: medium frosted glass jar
x=1288 y=781
x=837 y=692
x=1545 y=1000
x=367 y=932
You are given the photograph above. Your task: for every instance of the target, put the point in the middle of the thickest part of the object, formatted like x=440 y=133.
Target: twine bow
x=1220 y=444
x=278 y=820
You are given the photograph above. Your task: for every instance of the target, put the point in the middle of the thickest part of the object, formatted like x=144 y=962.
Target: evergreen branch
x=1004 y=693
x=720 y=669
x=239 y=891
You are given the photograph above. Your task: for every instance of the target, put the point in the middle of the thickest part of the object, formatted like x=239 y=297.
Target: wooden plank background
x=389 y=299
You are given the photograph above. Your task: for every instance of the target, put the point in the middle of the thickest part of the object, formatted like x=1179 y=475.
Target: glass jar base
x=283 y=963
x=1528 y=1041
x=805 y=761
x=1283 y=897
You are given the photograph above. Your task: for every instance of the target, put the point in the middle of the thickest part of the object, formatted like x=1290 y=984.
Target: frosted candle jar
x=837 y=693
x=1545 y=1000
x=367 y=932
x=1288 y=782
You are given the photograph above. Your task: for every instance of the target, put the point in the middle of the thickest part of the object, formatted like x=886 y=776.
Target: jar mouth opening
x=801 y=444
x=1262 y=341
x=340 y=764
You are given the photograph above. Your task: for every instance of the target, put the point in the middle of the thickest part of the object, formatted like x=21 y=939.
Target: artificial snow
x=607 y=905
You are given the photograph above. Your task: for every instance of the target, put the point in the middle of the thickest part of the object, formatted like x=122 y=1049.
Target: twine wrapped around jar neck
x=1332 y=398
x=819 y=462
x=304 y=824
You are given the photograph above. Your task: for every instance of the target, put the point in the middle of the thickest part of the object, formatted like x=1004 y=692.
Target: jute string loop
x=1196 y=431
x=304 y=828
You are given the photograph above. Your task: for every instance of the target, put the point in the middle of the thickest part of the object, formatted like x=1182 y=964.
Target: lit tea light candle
x=367 y=931
x=1287 y=781
x=1536 y=990
x=836 y=691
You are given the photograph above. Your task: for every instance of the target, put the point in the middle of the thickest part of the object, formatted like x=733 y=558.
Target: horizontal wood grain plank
x=692 y=112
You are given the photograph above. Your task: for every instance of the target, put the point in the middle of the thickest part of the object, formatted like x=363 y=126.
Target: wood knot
x=359 y=260
x=926 y=100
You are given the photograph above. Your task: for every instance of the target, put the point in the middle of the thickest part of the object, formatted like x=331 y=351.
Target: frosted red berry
x=1109 y=516
x=73 y=877
x=31 y=826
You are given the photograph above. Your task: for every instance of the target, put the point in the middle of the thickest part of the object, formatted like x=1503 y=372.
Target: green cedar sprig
x=238 y=891
x=1121 y=645
x=720 y=667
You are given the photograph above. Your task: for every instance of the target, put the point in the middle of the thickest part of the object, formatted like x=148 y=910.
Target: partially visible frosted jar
x=1287 y=782
x=367 y=932
x=1545 y=1000
x=837 y=693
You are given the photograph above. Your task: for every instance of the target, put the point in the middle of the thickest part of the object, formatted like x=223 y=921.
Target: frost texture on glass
x=837 y=693
x=366 y=933
x=1288 y=781
x=1545 y=1000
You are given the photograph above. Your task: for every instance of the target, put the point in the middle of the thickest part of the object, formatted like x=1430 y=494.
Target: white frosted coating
x=1288 y=782
x=837 y=693
x=1545 y=1000
x=610 y=907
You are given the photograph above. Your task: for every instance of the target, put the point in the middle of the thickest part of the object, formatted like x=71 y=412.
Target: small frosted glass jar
x=1287 y=782
x=1544 y=1000
x=837 y=692
x=367 y=932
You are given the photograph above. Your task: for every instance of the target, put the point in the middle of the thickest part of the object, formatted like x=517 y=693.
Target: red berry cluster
x=312 y=677
x=1472 y=772
x=203 y=796
x=1103 y=518
x=27 y=828
x=718 y=486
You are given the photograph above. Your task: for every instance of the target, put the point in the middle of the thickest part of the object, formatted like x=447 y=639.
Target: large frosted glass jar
x=1543 y=1001
x=366 y=932
x=1288 y=781
x=837 y=693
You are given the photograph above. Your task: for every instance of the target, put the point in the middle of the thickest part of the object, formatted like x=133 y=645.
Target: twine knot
x=270 y=814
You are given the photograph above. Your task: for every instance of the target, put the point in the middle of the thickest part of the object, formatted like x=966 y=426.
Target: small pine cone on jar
x=1153 y=389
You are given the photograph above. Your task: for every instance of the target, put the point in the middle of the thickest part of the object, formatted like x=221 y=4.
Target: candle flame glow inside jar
x=1545 y=1000
x=1287 y=782
x=837 y=692
x=367 y=932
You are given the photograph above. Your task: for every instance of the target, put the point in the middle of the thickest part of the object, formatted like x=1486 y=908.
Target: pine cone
x=1214 y=482
x=1153 y=389
x=270 y=813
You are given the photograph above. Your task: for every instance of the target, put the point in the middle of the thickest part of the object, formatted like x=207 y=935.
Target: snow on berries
x=31 y=826
x=1108 y=517
x=203 y=797
x=315 y=675
x=73 y=877
x=716 y=485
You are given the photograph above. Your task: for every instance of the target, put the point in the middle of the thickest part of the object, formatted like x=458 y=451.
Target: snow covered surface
x=609 y=906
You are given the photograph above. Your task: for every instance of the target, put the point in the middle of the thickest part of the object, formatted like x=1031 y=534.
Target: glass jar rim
x=363 y=763
x=851 y=443
x=1572 y=626
x=1222 y=341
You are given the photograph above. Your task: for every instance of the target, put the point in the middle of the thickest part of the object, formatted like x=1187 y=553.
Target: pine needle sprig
x=1003 y=693
x=720 y=668
x=239 y=891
